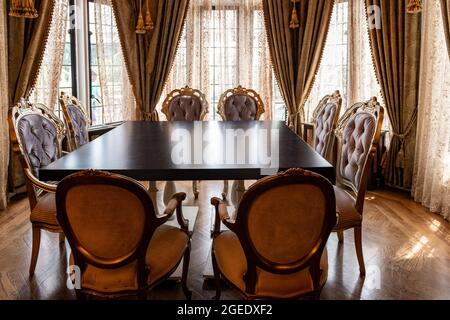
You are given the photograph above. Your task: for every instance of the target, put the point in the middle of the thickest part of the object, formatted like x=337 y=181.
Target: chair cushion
x=165 y=251
x=324 y=128
x=348 y=217
x=185 y=108
x=79 y=123
x=232 y=263
x=240 y=108
x=39 y=139
x=45 y=210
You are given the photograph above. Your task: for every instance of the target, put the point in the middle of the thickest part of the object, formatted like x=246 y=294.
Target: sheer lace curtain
x=117 y=97
x=46 y=90
x=431 y=185
x=347 y=61
x=4 y=139
x=224 y=45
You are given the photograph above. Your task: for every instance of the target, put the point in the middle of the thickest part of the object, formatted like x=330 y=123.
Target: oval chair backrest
x=325 y=118
x=240 y=104
x=284 y=222
x=185 y=104
x=358 y=133
x=108 y=219
x=36 y=134
x=77 y=121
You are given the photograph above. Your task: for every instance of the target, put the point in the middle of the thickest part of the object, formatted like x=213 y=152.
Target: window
x=224 y=46
x=333 y=72
x=107 y=70
x=58 y=70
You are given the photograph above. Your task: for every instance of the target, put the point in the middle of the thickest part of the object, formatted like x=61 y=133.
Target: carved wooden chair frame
x=186 y=91
x=35 y=187
x=82 y=257
x=254 y=259
x=239 y=90
x=65 y=101
x=373 y=108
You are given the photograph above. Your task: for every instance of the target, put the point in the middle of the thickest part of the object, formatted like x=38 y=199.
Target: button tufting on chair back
x=324 y=127
x=39 y=139
x=185 y=108
x=240 y=107
x=81 y=135
x=357 y=142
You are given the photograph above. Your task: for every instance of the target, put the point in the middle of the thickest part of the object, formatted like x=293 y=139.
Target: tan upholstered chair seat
x=348 y=216
x=45 y=210
x=231 y=260
x=163 y=254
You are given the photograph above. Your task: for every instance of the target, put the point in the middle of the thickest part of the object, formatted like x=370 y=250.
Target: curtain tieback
x=150 y=116
x=400 y=161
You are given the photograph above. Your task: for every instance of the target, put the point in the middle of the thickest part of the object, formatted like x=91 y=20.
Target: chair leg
x=35 y=249
x=80 y=295
x=216 y=277
x=340 y=235
x=62 y=237
x=186 y=259
x=225 y=190
x=195 y=189
x=359 y=251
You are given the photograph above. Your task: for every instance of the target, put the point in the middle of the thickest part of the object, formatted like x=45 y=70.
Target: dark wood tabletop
x=144 y=151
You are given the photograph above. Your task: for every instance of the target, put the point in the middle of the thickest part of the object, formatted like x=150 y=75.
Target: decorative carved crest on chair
x=240 y=91
x=189 y=92
x=67 y=101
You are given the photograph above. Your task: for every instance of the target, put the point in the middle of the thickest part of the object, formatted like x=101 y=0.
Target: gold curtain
x=296 y=52
x=396 y=47
x=445 y=7
x=27 y=39
x=149 y=56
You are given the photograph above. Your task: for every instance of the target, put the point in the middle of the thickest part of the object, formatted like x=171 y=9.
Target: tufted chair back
x=358 y=133
x=185 y=104
x=283 y=223
x=240 y=104
x=325 y=118
x=36 y=135
x=77 y=121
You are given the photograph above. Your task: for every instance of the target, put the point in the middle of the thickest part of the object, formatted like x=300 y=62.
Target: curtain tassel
x=23 y=9
x=414 y=6
x=149 y=25
x=140 y=28
x=295 y=24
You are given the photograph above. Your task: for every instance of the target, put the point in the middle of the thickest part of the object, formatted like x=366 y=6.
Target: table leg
x=237 y=192
x=169 y=190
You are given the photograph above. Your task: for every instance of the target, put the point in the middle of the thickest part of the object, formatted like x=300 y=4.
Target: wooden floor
x=407 y=254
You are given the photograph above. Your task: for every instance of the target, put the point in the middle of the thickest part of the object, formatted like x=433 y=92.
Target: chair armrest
x=47 y=187
x=222 y=216
x=176 y=205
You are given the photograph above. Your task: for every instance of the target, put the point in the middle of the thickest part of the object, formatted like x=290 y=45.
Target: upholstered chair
x=77 y=121
x=120 y=245
x=275 y=246
x=325 y=118
x=239 y=104
x=36 y=135
x=186 y=104
x=358 y=133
